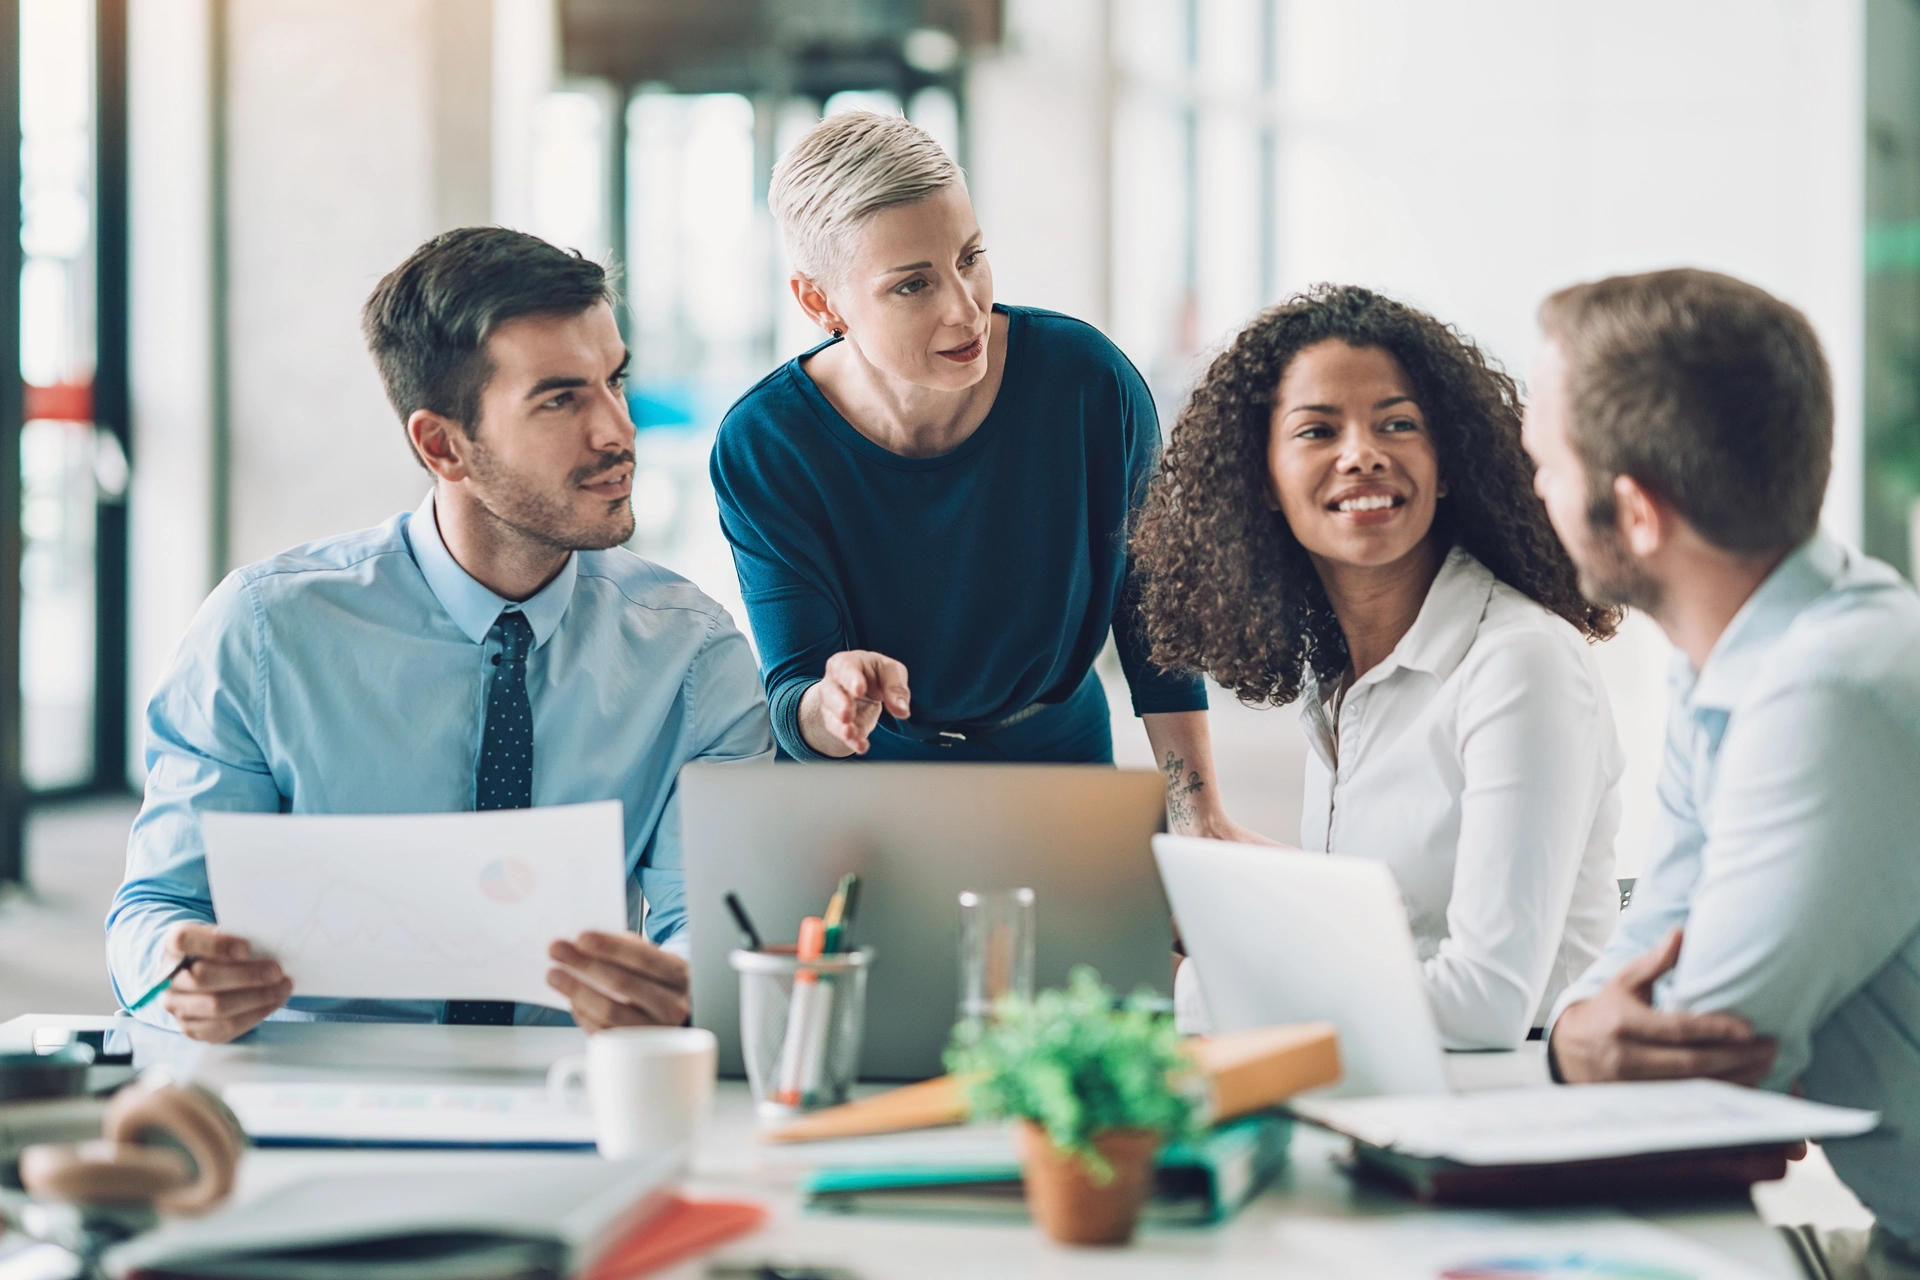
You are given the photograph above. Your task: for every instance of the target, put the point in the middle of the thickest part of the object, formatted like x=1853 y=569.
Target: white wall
x=1474 y=156
x=1038 y=156
x=331 y=182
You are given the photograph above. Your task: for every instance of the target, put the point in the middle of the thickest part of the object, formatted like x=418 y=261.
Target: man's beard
x=547 y=518
x=1609 y=574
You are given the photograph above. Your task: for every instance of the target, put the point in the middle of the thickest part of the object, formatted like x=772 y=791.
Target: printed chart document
x=430 y=906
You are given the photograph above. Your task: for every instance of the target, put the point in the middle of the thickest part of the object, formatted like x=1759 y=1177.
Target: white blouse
x=1480 y=763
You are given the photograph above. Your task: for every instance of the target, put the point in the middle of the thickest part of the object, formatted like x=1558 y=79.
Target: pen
x=748 y=933
x=839 y=918
x=154 y=991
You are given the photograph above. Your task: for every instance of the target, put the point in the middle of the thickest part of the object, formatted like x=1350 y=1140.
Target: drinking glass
x=996 y=948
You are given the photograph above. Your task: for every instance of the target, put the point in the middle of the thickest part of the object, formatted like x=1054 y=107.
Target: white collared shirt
x=1479 y=762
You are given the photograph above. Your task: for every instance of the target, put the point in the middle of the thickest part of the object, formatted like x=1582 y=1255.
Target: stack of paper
x=1555 y=1124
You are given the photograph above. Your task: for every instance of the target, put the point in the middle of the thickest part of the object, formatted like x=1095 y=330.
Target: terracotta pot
x=1068 y=1203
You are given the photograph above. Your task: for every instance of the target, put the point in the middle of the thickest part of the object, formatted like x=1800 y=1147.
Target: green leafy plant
x=1077 y=1063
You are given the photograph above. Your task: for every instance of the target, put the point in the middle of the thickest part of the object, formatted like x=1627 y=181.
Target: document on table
x=408 y=1115
x=1554 y=1123
x=1434 y=1246
x=431 y=906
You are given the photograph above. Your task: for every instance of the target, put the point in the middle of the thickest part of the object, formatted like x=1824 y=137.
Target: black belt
x=951 y=734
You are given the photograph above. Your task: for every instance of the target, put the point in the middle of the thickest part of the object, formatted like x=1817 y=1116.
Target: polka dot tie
x=505 y=779
x=506 y=747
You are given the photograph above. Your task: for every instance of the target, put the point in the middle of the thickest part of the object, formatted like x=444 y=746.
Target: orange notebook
x=678 y=1231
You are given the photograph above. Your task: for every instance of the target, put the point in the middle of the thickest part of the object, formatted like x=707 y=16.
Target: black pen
x=748 y=933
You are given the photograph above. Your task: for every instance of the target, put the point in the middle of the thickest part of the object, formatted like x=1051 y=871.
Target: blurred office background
x=209 y=188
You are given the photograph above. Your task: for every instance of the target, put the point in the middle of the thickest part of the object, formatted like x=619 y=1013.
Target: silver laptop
x=782 y=835
x=1282 y=936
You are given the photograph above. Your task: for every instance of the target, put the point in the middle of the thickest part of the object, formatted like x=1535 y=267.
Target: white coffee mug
x=650 y=1088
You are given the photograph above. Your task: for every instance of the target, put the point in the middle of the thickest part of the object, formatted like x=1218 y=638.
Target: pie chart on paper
x=508 y=880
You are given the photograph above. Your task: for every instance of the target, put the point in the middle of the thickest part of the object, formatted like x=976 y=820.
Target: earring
x=838 y=332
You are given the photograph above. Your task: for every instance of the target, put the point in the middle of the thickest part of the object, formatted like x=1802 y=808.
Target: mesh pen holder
x=800 y=1027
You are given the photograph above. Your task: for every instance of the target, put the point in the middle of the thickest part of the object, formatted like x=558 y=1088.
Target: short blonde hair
x=847 y=168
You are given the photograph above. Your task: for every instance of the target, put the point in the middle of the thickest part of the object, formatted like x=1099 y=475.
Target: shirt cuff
x=786 y=720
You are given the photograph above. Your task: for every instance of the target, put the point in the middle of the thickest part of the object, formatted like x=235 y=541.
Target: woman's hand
x=839 y=711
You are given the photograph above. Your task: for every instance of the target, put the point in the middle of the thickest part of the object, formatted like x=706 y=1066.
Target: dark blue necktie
x=505 y=780
x=505 y=776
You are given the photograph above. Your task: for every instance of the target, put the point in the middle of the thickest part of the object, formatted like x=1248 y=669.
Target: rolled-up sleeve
x=203 y=753
x=727 y=721
x=1532 y=731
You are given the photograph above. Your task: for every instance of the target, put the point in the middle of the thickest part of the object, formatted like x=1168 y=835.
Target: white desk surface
x=732 y=1164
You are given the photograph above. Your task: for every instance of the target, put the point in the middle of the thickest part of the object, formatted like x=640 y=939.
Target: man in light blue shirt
x=494 y=648
x=1682 y=427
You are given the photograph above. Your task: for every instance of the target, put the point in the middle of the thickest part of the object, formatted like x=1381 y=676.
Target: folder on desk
x=1559 y=1144
x=598 y=1219
x=976 y=1174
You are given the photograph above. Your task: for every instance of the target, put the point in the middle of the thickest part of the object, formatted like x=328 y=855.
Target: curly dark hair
x=1223 y=585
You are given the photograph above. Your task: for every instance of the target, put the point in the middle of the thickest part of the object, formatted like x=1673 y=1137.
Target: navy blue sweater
x=992 y=571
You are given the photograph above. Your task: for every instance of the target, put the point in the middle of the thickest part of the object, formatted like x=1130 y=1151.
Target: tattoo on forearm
x=1181 y=787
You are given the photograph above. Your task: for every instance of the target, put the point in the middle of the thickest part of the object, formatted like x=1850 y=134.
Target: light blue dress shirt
x=350 y=675
x=1788 y=846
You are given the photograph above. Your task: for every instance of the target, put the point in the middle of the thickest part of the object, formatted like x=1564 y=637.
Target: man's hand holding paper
x=227 y=991
x=620 y=980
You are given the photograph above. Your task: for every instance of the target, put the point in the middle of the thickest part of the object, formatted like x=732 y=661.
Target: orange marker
x=800 y=1013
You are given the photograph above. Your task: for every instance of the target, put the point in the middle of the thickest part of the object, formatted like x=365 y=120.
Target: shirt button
x=496 y=659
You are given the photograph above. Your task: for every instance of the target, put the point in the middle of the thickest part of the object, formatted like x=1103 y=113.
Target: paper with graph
x=432 y=906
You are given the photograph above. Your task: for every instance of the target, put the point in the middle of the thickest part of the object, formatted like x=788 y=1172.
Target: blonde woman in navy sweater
x=929 y=511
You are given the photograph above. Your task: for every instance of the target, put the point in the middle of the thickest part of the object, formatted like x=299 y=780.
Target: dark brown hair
x=1224 y=587
x=427 y=323
x=1710 y=392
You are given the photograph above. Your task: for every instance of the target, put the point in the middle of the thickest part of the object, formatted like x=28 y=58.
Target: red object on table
x=679 y=1231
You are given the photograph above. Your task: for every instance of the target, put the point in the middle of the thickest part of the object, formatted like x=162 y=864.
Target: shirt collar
x=1439 y=638
x=1448 y=620
x=1803 y=577
x=473 y=608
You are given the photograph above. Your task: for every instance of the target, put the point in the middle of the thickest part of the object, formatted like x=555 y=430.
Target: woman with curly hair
x=1345 y=516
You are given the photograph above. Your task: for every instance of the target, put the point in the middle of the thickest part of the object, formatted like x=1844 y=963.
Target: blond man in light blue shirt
x=1681 y=423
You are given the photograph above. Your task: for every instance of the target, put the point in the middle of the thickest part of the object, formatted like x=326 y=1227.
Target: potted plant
x=1093 y=1085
